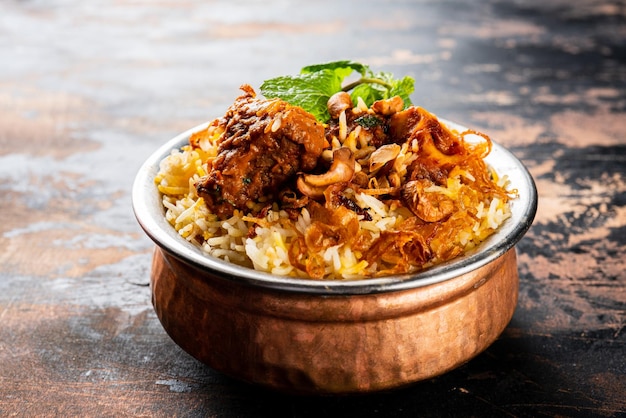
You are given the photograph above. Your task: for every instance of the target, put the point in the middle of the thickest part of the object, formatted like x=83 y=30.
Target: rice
x=266 y=243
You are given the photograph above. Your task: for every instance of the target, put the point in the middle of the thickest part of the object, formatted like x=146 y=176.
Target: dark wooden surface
x=89 y=89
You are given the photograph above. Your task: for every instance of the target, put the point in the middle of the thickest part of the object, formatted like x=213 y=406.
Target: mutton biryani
x=367 y=186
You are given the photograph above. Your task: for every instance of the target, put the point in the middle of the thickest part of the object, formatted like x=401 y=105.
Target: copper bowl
x=333 y=337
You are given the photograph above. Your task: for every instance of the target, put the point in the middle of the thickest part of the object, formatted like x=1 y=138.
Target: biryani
x=360 y=190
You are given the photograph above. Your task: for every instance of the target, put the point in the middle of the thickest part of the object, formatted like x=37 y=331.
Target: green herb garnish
x=368 y=121
x=312 y=88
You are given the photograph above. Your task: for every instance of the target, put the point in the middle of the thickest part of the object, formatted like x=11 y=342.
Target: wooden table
x=89 y=89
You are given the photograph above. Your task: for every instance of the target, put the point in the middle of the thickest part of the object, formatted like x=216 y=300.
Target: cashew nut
x=341 y=170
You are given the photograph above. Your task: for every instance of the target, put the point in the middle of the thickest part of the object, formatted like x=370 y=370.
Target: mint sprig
x=315 y=84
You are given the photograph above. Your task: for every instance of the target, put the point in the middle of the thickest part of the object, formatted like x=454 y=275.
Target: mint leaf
x=310 y=91
x=367 y=92
x=315 y=84
x=342 y=68
x=383 y=86
x=403 y=87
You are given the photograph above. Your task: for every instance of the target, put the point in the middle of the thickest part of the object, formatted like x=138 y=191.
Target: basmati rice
x=264 y=243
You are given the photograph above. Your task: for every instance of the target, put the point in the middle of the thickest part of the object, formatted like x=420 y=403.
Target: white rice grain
x=367 y=201
x=343 y=126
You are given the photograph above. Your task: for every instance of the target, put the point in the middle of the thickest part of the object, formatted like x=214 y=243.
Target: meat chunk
x=265 y=143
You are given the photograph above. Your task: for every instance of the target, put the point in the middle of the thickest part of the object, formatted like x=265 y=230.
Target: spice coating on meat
x=265 y=143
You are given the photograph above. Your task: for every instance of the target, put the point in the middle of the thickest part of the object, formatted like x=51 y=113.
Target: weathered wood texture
x=89 y=89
